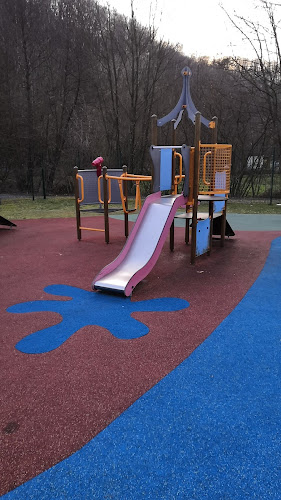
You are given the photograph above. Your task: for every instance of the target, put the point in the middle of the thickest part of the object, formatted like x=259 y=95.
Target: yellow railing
x=178 y=178
x=125 y=177
x=79 y=177
x=204 y=168
x=82 y=187
x=137 y=179
x=109 y=189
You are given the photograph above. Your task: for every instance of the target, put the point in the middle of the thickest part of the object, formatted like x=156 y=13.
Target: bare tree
x=263 y=75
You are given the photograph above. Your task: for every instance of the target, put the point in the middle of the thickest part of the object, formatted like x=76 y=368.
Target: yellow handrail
x=82 y=188
x=124 y=177
x=131 y=177
x=138 y=196
x=109 y=189
x=204 y=168
x=178 y=178
x=180 y=157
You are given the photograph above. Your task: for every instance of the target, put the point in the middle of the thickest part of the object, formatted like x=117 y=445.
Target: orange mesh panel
x=215 y=167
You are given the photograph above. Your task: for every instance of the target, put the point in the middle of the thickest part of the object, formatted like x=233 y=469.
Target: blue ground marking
x=88 y=308
x=209 y=430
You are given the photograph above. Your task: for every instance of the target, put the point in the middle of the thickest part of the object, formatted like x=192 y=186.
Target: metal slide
x=143 y=246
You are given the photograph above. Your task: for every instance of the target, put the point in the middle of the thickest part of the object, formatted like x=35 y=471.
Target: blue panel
x=166 y=169
x=219 y=206
x=220 y=180
x=202 y=237
x=220 y=183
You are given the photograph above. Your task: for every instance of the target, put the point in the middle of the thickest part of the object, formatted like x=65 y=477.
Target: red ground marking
x=54 y=403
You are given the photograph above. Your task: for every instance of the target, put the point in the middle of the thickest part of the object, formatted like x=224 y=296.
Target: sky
x=200 y=26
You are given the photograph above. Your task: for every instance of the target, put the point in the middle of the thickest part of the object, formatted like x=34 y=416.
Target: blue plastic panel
x=166 y=169
x=220 y=180
x=219 y=205
x=220 y=183
x=202 y=237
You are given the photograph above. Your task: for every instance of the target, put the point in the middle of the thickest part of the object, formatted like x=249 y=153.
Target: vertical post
x=214 y=131
x=186 y=235
x=211 y=215
x=43 y=184
x=195 y=183
x=188 y=206
x=125 y=191
x=105 y=204
x=77 y=206
x=154 y=130
x=32 y=184
x=214 y=140
x=272 y=176
x=173 y=143
x=154 y=142
x=223 y=225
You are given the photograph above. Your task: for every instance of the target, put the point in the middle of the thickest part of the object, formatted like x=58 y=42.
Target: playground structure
x=108 y=188
x=204 y=170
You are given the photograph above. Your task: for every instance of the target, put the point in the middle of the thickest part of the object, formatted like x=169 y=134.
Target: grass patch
x=53 y=207
x=64 y=206
x=24 y=208
x=248 y=207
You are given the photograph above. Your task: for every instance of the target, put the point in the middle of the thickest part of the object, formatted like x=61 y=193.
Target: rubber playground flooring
x=173 y=393
x=238 y=222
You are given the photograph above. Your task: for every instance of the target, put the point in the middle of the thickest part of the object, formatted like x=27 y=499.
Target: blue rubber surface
x=112 y=312
x=209 y=430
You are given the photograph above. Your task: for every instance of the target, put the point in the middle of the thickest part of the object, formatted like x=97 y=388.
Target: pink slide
x=143 y=246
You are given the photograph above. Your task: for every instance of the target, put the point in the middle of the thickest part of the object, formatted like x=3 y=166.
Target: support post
x=211 y=215
x=272 y=176
x=77 y=206
x=195 y=184
x=154 y=142
x=214 y=131
x=173 y=139
x=43 y=183
x=186 y=234
x=154 y=130
x=125 y=191
x=214 y=140
x=105 y=204
x=223 y=225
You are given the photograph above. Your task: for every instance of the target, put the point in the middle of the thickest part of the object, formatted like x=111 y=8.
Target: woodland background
x=79 y=80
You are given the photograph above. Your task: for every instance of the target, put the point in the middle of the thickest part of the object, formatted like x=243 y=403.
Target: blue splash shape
x=88 y=308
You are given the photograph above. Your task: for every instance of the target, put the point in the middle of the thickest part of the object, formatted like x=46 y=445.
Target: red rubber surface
x=54 y=403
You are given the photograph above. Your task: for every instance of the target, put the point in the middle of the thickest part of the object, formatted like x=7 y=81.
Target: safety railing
x=108 y=177
x=125 y=177
x=178 y=177
x=80 y=200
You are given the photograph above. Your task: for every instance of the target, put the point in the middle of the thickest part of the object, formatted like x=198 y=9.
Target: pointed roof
x=184 y=102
